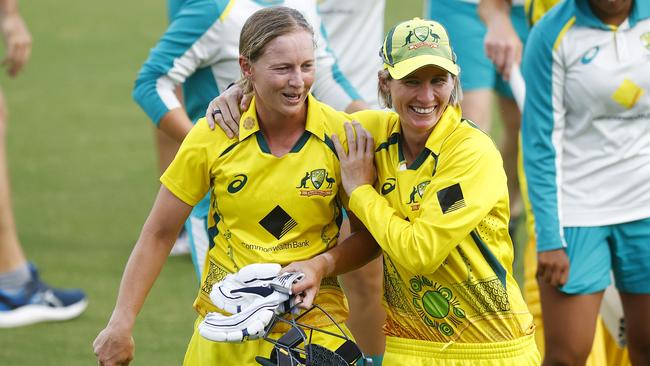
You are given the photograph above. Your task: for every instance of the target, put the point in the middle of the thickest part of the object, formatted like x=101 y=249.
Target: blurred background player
x=481 y=77
x=199 y=50
x=344 y=23
x=501 y=43
x=166 y=147
x=501 y=38
x=584 y=138
x=24 y=298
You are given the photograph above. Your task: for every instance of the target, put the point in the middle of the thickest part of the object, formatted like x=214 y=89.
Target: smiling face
x=283 y=75
x=421 y=97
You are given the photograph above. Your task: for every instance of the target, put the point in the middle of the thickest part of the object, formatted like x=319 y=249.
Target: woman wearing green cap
x=438 y=210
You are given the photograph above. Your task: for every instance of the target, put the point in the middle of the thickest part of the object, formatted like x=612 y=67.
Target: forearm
x=356 y=106
x=354 y=252
x=149 y=255
x=542 y=121
x=8 y=7
x=143 y=267
x=541 y=182
x=494 y=10
x=176 y=124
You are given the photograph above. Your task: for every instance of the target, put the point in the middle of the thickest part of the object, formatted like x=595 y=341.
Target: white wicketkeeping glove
x=239 y=290
x=255 y=306
x=248 y=324
x=285 y=281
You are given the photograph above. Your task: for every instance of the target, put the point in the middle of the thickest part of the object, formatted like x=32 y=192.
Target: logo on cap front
x=422 y=35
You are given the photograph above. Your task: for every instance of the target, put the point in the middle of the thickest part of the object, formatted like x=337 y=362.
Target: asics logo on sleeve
x=388 y=187
x=237 y=184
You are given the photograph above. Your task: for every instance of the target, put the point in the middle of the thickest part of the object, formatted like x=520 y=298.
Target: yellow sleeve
x=336 y=128
x=463 y=191
x=536 y=9
x=188 y=176
x=375 y=121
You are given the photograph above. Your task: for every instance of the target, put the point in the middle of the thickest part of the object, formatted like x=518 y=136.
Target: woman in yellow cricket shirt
x=439 y=211
x=275 y=192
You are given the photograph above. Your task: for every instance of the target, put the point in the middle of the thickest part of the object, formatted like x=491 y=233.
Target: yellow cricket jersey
x=535 y=9
x=443 y=226
x=264 y=208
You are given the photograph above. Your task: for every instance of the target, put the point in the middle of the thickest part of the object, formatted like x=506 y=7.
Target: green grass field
x=84 y=175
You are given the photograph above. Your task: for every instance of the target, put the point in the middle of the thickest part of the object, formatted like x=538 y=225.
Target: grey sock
x=14 y=281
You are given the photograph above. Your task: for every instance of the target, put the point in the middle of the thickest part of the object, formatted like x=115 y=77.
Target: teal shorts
x=594 y=252
x=466 y=32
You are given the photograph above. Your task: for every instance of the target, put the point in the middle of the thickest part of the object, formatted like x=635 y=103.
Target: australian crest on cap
x=422 y=34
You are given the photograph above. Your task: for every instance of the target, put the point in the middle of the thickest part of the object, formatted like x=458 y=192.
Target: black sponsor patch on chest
x=451 y=198
x=278 y=222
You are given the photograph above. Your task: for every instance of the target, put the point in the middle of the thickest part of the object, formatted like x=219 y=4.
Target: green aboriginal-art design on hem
x=436 y=305
x=393 y=287
x=459 y=312
x=446 y=329
x=486 y=297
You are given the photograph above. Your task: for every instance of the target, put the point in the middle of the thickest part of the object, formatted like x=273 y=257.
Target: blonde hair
x=386 y=101
x=264 y=26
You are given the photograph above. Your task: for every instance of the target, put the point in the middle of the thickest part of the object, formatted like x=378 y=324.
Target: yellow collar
x=315 y=124
x=447 y=123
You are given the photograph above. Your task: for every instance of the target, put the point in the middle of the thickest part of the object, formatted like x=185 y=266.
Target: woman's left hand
x=553 y=267
x=225 y=110
x=357 y=166
x=314 y=270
